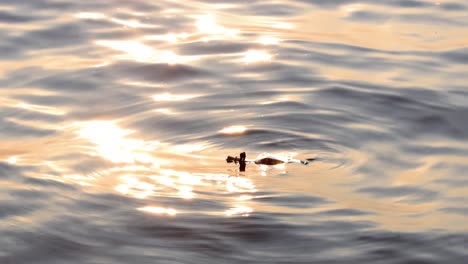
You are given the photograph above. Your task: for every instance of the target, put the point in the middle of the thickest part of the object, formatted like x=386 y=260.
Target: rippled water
x=116 y=118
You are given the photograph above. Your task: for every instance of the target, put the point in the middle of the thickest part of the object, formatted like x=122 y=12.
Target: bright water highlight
x=116 y=118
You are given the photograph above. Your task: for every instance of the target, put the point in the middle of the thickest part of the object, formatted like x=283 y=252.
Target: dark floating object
x=265 y=159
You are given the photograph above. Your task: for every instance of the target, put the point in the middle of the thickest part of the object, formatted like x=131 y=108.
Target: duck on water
x=264 y=159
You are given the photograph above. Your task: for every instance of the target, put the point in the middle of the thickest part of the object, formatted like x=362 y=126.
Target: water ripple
x=116 y=119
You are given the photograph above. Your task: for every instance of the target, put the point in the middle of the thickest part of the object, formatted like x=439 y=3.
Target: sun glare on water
x=172 y=97
x=112 y=143
x=207 y=25
x=158 y=210
x=137 y=51
x=233 y=130
x=252 y=56
x=268 y=40
x=239 y=210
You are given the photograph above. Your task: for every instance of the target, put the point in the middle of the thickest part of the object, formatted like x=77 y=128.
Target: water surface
x=116 y=117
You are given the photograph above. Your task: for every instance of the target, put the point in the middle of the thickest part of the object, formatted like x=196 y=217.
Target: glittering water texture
x=116 y=118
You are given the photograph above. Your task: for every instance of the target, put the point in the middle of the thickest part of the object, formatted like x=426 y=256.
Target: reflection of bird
x=265 y=159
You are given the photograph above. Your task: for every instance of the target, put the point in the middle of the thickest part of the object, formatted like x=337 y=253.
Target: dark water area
x=116 y=118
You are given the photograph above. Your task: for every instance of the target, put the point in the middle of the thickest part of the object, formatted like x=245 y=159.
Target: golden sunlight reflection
x=42 y=109
x=245 y=197
x=144 y=84
x=127 y=23
x=239 y=210
x=134 y=187
x=34 y=123
x=239 y=184
x=230 y=183
x=111 y=142
x=170 y=37
x=12 y=160
x=169 y=57
x=184 y=185
x=186 y=192
x=279 y=100
x=173 y=97
x=172 y=11
x=90 y=15
x=54 y=166
x=233 y=130
x=165 y=111
x=206 y=29
x=207 y=25
x=158 y=210
x=265 y=168
x=281 y=25
x=352 y=8
x=188 y=148
x=80 y=179
x=268 y=40
x=252 y=56
x=132 y=23
x=182 y=177
x=137 y=51
x=139 y=174
x=223 y=6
